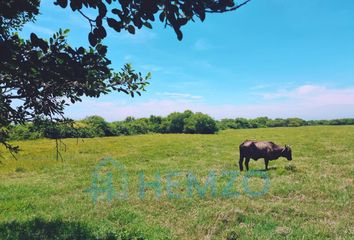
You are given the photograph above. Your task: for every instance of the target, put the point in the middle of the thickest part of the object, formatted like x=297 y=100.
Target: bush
x=278 y=122
x=176 y=122
x=200 y=123
x=155 y=123
x=24 y=132
x=295 y=122
x=139 y=126
x=98 y=125
x=242 y=123
x=119 y=128
x=260 y=122
x=164 y=126
x=227 y=124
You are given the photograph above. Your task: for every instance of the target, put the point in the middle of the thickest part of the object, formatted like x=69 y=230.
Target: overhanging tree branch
x=230 y=9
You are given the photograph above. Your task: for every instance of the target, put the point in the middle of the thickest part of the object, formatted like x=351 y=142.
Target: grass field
x=310 y=197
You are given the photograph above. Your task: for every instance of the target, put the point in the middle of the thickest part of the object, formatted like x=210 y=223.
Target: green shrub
x=119 y=128
x=200 y=123
x=24 y=132
x=176 y=122
x=99 y=126
x=139 y=126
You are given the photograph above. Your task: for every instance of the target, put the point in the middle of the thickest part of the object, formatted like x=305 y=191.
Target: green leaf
x=61 y=3
x=114 y=24
x=131 y=29
x=148 y=25
x=92 y=39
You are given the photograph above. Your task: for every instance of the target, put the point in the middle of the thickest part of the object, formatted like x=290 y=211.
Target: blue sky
x=272 y=58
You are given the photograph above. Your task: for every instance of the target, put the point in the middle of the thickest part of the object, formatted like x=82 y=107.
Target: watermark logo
x=108 y=169
x=104 y=184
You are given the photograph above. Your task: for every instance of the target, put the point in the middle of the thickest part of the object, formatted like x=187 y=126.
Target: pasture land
x=310 y=197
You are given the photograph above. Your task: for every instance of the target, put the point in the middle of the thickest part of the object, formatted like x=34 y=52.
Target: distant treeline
x=96 y=126
x=186 y=122
x=263 y=122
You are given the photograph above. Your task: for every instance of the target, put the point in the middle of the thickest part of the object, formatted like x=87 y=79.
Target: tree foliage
x=14 y=13
x=200 y=123
x=40 y=77
x=131 y=14
x=96 y=126
x=264 y=122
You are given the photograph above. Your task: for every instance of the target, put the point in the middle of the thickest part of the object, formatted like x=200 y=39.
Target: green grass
x=310 y=197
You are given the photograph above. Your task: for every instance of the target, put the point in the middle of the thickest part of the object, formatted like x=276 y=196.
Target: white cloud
x=307 y=101
x=307 y=89
x=180 y=95
x=313 y=94
x=117 y=111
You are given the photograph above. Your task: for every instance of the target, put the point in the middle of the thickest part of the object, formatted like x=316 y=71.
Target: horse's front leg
x=266 y=161
x=247 y=163
x=241 y=163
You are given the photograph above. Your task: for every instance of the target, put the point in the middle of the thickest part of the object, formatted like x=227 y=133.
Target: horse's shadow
x=266 y=170
x=261 y=169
